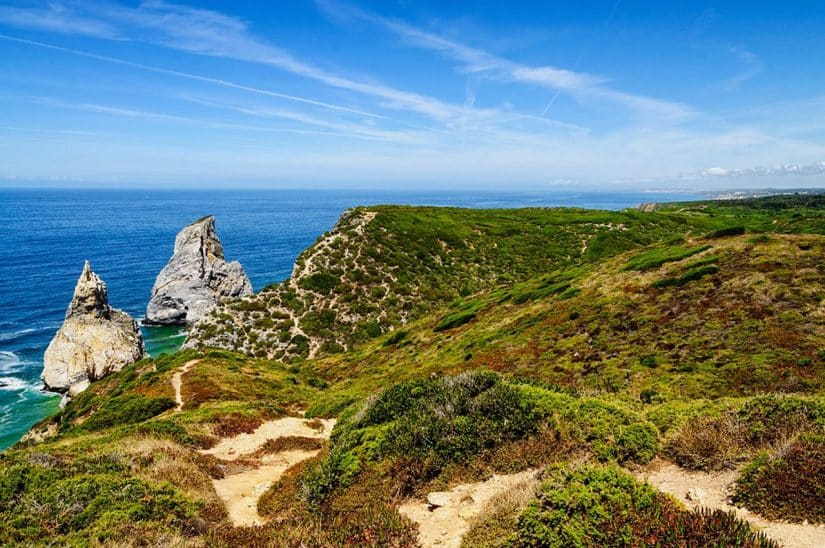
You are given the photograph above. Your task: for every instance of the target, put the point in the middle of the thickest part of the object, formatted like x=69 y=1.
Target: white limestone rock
x=94 y=340
x=195 y=279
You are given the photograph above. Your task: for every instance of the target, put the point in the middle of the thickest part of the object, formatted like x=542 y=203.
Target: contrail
x=189 y=76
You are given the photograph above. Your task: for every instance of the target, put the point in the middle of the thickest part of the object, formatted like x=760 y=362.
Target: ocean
x=128 y=236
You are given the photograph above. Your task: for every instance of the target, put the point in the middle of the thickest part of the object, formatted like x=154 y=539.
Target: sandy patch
x=447 y=523
x=713 y=490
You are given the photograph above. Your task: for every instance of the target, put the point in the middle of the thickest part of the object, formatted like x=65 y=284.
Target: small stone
x=437 y=499
x=696 y=494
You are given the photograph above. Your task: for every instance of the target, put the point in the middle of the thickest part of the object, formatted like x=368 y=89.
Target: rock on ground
x=94 y=340
x=195 y=278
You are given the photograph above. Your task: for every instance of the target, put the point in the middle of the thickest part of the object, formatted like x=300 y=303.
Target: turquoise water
x=45 y=235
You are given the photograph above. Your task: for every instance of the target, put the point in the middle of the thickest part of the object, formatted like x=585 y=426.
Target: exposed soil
x=240 y=491
x=447 y=523
x=713 y=490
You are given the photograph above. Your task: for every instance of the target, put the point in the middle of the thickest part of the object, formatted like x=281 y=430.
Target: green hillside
x=581 y=345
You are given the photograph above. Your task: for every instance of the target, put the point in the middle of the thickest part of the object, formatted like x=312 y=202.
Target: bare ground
x=713 y=490
x=446 y=524
x=240 y=491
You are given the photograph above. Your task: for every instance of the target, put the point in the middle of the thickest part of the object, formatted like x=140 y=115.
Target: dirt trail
x=240 y=492
x=177 y=381
x=446 y=523
x=712 y=490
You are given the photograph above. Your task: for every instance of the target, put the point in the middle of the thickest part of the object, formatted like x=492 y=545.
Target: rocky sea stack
x=196 y=278
x=94 y=340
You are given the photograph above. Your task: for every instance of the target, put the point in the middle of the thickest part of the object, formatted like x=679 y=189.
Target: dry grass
x=289 y=443
x=500 y=515
x=709 y=443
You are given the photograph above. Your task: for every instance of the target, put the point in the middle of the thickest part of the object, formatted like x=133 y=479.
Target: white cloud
x=579 y=85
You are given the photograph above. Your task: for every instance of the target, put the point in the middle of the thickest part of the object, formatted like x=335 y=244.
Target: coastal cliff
x=381 y=267
x=94 y=340
x=196 y=277
x=691 y=367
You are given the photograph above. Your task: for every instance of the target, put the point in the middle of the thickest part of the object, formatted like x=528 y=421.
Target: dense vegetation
x=575 y=343
x=604 y=506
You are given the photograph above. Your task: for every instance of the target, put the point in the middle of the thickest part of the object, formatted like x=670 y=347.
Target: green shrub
x=125 y=409
x=655 y=258
x=395 y=337
x=789 y=486
x=728 y=231
x=430 y=424
x=638 y=442
x=80 y=506
x=455 y=320
x=689 y=276
x=320 y=282
x=590 y=506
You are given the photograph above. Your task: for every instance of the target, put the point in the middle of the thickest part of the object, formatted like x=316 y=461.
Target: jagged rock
x=195 y=278
x=94 y=340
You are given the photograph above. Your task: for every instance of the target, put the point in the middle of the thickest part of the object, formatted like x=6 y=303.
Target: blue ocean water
x=128 y=235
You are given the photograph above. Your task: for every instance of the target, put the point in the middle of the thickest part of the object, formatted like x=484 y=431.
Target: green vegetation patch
x=421 y=428
x=790 y=485
x=44 y=501
x=589 y=506
x=691 y=275
x=655 y=258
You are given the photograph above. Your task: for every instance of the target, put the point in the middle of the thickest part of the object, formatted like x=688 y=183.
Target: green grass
x=659 y=256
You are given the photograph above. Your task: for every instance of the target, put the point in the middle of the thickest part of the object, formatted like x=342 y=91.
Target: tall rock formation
x=195 y=278
x=94 y=340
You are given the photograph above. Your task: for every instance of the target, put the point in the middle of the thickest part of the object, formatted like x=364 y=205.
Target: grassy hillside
x=382 y=267
x=579 y=344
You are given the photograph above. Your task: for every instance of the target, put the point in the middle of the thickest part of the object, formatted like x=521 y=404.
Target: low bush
x=689 y=276
x=722 y=440
x=727 y=231
x=52 y=504
x=320 y=282
x=125 y=409
x=655 y=258
x=422 y=428
x=789 y=486
x=589 y=506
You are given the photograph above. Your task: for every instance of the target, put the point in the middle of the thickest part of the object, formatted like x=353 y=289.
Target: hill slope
x=381 y=267
x=703 y=347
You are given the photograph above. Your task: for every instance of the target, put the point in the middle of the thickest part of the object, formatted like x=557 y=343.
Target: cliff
x=196 y=277
x=94 y=340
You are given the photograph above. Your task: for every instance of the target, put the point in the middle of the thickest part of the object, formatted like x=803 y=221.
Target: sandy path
x=713 y=490
x=447 y=523
x=177 y=381
x=246 y=444
x=240 y=492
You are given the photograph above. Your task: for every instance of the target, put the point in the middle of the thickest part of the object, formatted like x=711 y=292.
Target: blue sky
x=620 y=93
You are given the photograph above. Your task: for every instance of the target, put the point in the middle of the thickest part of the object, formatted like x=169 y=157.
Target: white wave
x=9 y=361
x=15 y=334
x=13 y=384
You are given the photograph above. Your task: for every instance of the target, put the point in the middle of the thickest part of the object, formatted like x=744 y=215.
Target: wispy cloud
x=206 y=32
x=752 y=66
x=579 y=85
x=56 y=18
x=194 y=77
